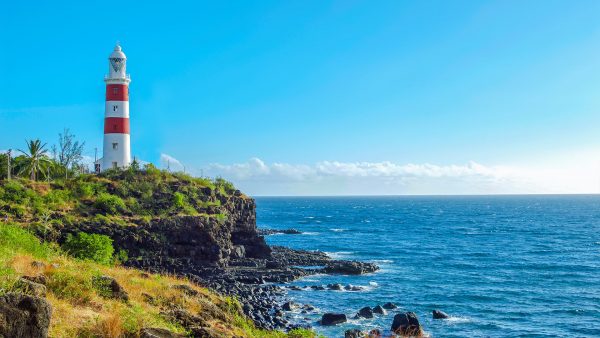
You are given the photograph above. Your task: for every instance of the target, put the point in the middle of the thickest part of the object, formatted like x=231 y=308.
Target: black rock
x=407 y=324
x=333 y=318
x=110 y=288
x=353 y=333
x=379 y=310
x=365 y=312
x=24 y=316
x=349 y=267
x=389 y=306
x=437 y=314
x=289 y=306
x=266 y=232
x=337 y=287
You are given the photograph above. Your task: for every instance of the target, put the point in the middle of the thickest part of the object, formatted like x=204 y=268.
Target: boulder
x=365 y=312
x=158 y=333
x=31 y=288
x=353 y=333
x=379 y=310
x=40 y=279
x=389 y=306
x=333 y=318
x=109 y=287
x=337 y=287
x=24 y=316
x=407 y=324
x=437 y=314
x=308 y=307
x=289 y=306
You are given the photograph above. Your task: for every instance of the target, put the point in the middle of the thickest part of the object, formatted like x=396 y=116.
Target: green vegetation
x=97 y=248
x=126 y=197
x=81 y=307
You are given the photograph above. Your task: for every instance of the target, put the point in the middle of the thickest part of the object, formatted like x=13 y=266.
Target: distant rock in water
x=267 y=232
x=349 y=267
x=437 y=314
x=24 y=316
x=379 y=310
x=365 y=312
x=333 y=318
x=389 y=306
x=407 y=324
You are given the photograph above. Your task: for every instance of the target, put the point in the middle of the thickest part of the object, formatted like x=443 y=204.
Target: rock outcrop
x=333 y=318
x=437 y=314
x=24 y=316
x=407 y=324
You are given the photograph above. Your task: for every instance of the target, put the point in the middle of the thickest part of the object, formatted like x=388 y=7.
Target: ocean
x=500 y=266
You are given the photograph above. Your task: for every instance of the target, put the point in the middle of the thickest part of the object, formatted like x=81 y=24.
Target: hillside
x=82 y=308
x=156 y=220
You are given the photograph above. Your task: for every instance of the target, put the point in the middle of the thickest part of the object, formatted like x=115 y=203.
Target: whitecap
x=308 y=233
x=338 y=229
x=458 y=319
x=373 y=283
x=339 y=254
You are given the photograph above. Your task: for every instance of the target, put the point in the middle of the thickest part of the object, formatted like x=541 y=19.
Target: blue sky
x=315 y=97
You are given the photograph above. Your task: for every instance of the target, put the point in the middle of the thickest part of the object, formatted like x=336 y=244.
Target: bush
x=110 y=204
x=97 y=248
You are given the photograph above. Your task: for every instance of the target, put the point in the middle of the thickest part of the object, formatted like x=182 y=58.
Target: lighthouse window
x=115 y=108
x=115 y=89
x=114 y=165
x=115 y=145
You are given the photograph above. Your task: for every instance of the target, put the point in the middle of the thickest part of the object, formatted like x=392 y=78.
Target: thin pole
x=8 y=167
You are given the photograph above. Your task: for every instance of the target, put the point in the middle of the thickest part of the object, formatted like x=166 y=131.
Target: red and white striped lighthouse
x=117 y=149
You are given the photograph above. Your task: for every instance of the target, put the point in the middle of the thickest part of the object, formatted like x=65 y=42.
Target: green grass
x=80 y=310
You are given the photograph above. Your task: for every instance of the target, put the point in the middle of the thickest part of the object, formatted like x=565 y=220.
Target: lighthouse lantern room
x=116 y=148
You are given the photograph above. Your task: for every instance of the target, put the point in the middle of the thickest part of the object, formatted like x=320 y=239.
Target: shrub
x=97 y=248
x=110 y=204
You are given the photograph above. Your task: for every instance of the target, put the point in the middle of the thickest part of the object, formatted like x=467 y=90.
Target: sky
x=322 y=97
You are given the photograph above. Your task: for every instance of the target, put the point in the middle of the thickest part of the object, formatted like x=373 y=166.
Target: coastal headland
x=171 y=223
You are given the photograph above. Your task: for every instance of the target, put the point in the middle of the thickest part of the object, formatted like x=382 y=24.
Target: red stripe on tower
x=116 y=125
x=117 y=92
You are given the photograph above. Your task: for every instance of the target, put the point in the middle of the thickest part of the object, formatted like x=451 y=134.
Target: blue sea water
x=501 y=266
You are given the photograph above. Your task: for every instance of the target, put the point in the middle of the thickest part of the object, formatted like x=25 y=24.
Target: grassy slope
x=80 y=311
x=126 y=197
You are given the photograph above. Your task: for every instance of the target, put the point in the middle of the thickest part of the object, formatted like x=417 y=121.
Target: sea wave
x=338 y=229
x=339 y=254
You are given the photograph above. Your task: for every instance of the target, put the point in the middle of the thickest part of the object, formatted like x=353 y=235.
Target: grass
x=80 y=310
x=120 y=196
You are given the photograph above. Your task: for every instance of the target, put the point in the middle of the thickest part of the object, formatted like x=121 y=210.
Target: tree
x=35 y=159
x=69 y=151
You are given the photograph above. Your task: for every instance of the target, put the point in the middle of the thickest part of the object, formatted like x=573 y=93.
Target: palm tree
x=35 y=158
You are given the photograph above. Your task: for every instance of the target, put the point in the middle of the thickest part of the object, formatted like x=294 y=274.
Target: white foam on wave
x=308 y=233
x=339 y=254
x=373 y=283
x=458 y=319
x=338 y=229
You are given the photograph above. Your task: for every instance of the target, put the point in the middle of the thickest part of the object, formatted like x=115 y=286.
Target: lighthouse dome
x=117 y=53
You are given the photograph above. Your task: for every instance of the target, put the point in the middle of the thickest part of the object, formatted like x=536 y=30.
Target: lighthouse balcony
x=109 y=79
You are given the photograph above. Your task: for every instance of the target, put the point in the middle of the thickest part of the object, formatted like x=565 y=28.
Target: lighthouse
x=117 y=150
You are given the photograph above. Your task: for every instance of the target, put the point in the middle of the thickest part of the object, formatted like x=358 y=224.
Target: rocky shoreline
x=261 y=284
x=228 y=255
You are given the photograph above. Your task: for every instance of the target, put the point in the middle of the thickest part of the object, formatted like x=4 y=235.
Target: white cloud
x=171 y=163
x=365 y=178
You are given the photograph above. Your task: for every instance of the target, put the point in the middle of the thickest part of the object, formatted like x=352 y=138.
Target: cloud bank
x=256 y=177
x=370 y=178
